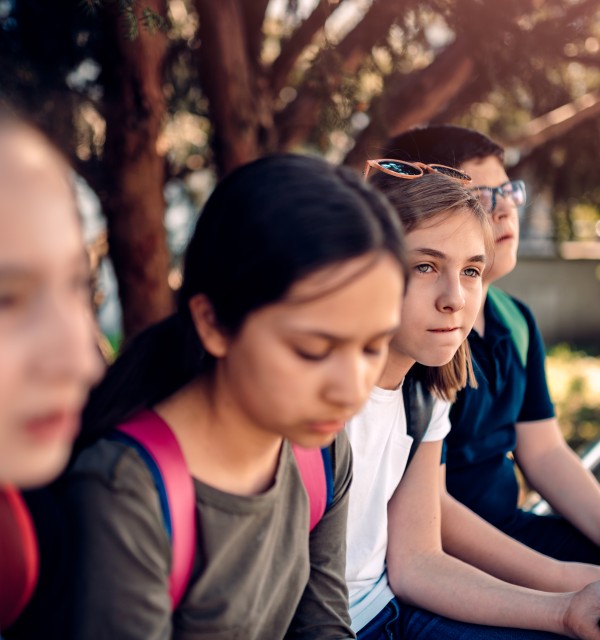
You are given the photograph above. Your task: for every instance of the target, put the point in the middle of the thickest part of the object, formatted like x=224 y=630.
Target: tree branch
x=253 y=12
x=296 y=43
x=415 y=99
x=302 y=115
x=557 y=123
x=370 y=31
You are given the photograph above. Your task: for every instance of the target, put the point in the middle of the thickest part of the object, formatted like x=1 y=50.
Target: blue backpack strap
x=153 y=439
x=514 y=320
x=316 y=471
x=329 y=483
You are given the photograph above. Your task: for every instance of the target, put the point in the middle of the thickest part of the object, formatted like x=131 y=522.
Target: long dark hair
x=265 y=226
x=418 y=202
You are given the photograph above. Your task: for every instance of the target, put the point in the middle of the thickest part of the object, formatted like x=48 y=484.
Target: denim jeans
x=398 y=621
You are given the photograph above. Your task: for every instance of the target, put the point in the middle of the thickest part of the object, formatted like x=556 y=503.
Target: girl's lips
x=449 y=330
x=331 y=426
x=59 y=425
x=503 y=238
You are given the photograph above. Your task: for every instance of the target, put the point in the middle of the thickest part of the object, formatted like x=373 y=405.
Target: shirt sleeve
x=323 y=610
x=537 y=404
x=439 y=425
x=119 y=564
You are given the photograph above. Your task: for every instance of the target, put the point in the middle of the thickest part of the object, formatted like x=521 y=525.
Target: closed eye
x=313 y=357
x=8 y=300
x=378 y=347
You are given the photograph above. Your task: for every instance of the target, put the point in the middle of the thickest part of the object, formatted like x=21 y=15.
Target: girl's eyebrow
x=434 y=253
x=15 y=273
x=25 y=272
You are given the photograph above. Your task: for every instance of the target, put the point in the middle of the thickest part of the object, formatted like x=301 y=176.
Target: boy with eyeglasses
x=510 y=415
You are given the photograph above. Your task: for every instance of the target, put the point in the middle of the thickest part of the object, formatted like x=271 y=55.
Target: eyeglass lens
x=515 y=190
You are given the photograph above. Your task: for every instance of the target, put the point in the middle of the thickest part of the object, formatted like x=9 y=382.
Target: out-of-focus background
x=154 y=100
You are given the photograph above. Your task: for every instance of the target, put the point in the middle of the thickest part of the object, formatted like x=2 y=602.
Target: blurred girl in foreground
x=48 y=356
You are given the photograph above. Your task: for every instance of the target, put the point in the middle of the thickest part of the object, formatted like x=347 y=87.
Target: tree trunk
x=133 y=199
x=238 y=103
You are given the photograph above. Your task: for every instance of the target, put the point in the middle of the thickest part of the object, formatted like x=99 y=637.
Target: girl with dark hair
x=418 y=562
x=292 y=288
x=48 y=357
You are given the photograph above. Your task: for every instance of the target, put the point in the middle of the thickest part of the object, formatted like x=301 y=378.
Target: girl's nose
x=451 y=298
x=69 y=349
x=349 y=383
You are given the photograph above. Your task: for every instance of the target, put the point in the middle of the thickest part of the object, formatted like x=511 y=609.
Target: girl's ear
x=213 y=338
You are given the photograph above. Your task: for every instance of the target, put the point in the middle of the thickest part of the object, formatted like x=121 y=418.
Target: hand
x=581 y=619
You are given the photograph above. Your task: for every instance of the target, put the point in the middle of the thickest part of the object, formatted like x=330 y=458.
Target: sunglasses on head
x=411 y=170
x=513 y=189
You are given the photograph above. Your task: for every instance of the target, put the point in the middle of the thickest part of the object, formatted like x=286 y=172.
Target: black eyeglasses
x=412 y=170
x=513 y=189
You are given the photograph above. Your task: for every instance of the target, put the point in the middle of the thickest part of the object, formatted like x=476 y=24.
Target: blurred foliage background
x=574 y=379
x=155 y=99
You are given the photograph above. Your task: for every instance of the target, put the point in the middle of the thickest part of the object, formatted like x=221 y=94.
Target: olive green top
x=258 y=572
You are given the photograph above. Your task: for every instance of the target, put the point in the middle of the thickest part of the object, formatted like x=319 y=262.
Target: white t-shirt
x=380 y=448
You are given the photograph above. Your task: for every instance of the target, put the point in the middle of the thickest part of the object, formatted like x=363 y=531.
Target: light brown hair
x=418 y=202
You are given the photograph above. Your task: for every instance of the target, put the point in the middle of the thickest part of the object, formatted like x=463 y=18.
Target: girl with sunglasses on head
x=402 y=580
x=510 y=418
x=292 y=288
x=48 y=356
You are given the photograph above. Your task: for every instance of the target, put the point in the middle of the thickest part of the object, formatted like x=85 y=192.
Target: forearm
x=449 y=587
x=473 y=540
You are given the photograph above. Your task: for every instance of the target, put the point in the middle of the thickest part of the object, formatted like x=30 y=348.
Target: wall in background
x=563 y=294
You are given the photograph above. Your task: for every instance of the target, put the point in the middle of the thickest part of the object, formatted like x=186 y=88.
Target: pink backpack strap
x=315 y=468
x=150 y=431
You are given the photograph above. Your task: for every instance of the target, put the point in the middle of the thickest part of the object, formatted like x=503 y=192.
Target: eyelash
x=426 y=268
x=312 y=357
x=421 y=268
x=370 y=351
x=83 y=284
x=8 y=300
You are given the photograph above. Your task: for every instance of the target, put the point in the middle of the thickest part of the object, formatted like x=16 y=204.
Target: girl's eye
x=82 y=283
x=312 y=357
x=423 y=268
x=374 y=349
x=472 y=272
x=8 y=300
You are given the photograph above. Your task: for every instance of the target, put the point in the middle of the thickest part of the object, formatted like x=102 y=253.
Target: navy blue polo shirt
x=480 y=469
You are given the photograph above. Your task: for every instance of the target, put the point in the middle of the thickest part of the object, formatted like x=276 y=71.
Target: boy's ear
x=213 y=338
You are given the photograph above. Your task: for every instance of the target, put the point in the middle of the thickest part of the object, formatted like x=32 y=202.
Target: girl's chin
x=438 y=360
x=37 y=467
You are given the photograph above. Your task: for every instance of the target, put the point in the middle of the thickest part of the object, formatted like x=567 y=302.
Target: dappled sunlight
x=574 y=380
